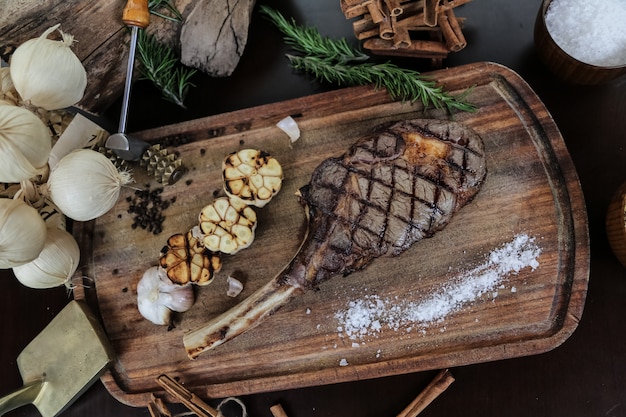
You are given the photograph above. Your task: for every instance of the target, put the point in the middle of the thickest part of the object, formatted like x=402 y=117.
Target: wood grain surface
x=531 y=188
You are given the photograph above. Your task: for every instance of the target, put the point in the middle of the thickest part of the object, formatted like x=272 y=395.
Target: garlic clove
x=157 y=296
x=47 y=73
x=155 y=312
x=234 y=287
x=22 y=233
x=55 y=265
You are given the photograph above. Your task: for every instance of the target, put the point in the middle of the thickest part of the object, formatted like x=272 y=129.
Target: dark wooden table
x=585 y=376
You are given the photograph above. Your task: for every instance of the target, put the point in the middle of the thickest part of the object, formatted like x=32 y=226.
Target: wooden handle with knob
x=136 y=13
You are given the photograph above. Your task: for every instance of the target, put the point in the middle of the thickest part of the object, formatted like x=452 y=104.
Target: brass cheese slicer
x=61 y=362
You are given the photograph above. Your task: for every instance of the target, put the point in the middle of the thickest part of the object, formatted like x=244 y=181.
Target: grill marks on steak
x=385 y=193
x=388 y=191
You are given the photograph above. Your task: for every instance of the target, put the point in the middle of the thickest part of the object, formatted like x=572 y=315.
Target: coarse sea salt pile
x=367 y=316
x=593 y=32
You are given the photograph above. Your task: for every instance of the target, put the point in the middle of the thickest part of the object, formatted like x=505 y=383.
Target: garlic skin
x=22 y=233
x=30 y=193
x=25 y=144
x=290 y=127
x=55 y=265
x=234 y=287
x=47 y=73
x=157 y=296
x=7 y=90
x=85 y=184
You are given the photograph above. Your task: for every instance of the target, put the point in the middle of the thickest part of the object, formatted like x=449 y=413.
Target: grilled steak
x=388 y=191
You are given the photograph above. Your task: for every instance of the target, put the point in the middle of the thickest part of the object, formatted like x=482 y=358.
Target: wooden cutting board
x=531 y=189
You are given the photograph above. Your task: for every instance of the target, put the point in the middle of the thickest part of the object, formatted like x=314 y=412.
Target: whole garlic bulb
x=85 y=184
x=25 y=144
x=157 y=296
x=22 y=233
x=47 y=73
x=55 y=265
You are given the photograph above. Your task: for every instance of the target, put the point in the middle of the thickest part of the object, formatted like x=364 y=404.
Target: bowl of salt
x=582 y=41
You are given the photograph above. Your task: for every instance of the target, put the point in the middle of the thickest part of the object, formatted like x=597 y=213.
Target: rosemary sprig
x=400 y=83
x=336 y=62
x=160 y=65
x=155 y=5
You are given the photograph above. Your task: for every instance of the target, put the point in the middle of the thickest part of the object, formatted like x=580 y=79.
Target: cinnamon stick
x=353 y=10
x=455 y=40
x=376 y=11
x=416 y=23
x=365 y=28
x=456 y=28
x=277 y=411
x=354 y=2
x=401 y=37
x=437 y=386
x=385 y=29
x=417 y=49
x=157 y=408
x=395 y=9
x=188 y=398
x=430 y=12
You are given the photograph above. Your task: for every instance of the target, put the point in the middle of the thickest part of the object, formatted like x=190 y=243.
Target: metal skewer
x=136 y=15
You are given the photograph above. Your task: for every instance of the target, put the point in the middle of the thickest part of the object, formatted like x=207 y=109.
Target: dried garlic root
x=185 y=260
x=227 y=225
x=252 y=175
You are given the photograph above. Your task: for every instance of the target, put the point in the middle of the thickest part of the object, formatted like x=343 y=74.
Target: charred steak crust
x=389 y=190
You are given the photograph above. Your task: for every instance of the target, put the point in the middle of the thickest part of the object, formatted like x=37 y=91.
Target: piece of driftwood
x=214 y=35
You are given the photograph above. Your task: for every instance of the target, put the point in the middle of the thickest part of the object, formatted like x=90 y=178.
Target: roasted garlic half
x=227 y=225
x=186 y=260
x=252 y=175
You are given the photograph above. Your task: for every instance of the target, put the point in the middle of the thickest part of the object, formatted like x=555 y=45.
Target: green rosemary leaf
x=308 y=40
x=160 y=65
x=155 y=5
x=400 y=83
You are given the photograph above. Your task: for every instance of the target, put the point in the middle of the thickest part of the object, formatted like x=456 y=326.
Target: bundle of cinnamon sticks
x=419 y=28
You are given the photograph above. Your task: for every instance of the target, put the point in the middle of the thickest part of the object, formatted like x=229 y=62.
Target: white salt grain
x=343 y=362
x=367 y=316
x=593 y=32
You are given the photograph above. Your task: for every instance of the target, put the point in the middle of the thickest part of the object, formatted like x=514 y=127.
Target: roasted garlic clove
x=252 y=175
x=186 y=260
x=227 y=225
